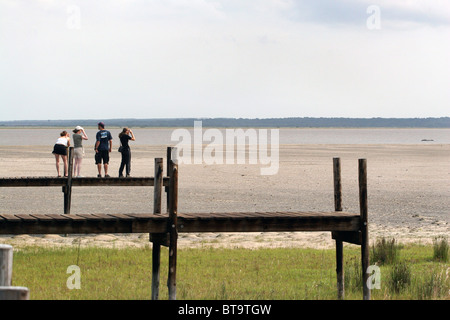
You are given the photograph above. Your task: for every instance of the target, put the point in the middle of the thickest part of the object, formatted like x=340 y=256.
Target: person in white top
x=60 y=150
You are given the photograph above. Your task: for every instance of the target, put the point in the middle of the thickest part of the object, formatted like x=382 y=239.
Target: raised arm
x=84 y=136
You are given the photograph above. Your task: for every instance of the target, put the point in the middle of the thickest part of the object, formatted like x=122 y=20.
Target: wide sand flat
x=408 y=186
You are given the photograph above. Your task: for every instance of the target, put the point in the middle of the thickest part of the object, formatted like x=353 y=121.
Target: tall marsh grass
x=440 y=249
x=385 y=251
x=225 y=274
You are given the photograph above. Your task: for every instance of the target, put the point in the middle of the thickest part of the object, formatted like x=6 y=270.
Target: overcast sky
x=223 y=58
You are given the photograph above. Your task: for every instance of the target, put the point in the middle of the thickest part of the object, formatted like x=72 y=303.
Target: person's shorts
x=102 y=155
x=60 y=149
x=78 y=153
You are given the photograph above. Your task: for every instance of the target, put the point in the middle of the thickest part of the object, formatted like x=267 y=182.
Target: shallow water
x=163 y=136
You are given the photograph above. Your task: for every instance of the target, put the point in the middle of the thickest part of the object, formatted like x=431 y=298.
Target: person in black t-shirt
x=125 y=136
x=103 y=147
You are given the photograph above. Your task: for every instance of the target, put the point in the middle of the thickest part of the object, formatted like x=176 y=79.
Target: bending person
x=60 y=150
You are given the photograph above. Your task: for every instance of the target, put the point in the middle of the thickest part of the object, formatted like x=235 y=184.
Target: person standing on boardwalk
x=78 y=136
x=60 y=150
x=125 y=136
x=103 y=147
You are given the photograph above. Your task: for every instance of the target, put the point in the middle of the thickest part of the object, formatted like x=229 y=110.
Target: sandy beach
x=408 y=186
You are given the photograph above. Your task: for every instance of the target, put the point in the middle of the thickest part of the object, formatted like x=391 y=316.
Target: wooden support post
x=6 y=264
x=337 y=184
x=67 y=189
x=170 y=150
x=14 y=293
x=340 y=269
x=158 y=185
x=155 y=238
x=339 y=243
x=173 y=212
x=362 y=175
x=156 y=262
x=7 y=292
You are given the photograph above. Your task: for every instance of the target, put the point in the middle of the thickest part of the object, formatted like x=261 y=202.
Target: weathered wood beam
x=79 y=182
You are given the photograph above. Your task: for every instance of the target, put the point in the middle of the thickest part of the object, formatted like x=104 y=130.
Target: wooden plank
x=58 y=217
x=10 y=217
x=90 y=217
x=144 y=216
x=33 y=182
x=14 y=293
x=292 y=214
x=26 y=217
x=204 y=222
x=188 y=215
x=42 y=217
x=67 y=226
x=114 y=181
x=105 y=217
x=274 y=224
x=75 y=217
x=120 y=216
x=237 y=215
x=79 y=182
x=220 y=216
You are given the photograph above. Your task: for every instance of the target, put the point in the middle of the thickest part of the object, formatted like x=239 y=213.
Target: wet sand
x=408 y=189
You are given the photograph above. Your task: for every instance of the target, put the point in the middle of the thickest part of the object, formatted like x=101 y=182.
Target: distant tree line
x=443 y=122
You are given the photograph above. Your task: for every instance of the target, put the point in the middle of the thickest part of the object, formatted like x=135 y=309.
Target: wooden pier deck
x=79 y=182
x=187 y=222
x=165 y=227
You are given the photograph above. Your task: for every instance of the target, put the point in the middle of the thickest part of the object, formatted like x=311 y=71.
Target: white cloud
x=222 y=58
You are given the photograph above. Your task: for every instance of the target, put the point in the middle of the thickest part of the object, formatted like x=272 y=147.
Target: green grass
x=440 y=247
x=221 y=274
x=385 y=252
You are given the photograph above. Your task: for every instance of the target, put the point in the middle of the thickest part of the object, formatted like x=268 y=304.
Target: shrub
x=385 y=252
x=435 y=286
x=440 y=249
x=400 y=277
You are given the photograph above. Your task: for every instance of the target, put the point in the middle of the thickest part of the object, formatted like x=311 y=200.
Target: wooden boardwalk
x=164 y=227
x=79 y=182
x=187 y=222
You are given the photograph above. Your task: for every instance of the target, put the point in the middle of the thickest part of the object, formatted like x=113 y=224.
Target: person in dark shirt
x=125 y=136
x=103 y=147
